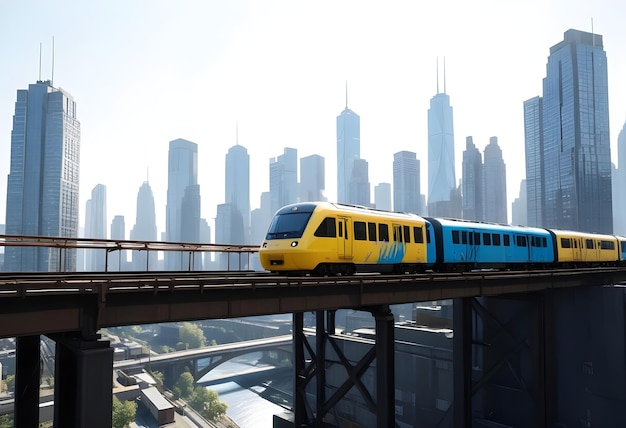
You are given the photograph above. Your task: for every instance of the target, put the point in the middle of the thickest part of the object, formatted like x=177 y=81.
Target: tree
x=10 y=382
x=207 y=403
x=6 y=421
x=192 y=335
x=123 y=412
x=183 y=388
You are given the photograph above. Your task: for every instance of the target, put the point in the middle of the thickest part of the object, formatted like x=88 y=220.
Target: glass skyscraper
x=312 y=178
x=348 y=151
x=237 y=191
x=96 y=227
x=441 y=176
x=472 y=183
x=182 y=216
x=494 y=176
x=284 y=179
x=43 y=182
x=533 y=137
x=575 y=136
x=145 y=228
x=619 y=186
x=406 y=182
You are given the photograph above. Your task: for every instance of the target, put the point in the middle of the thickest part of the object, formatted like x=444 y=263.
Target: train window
x=407 y=234
x=327 y=228
x=486 y=238
x=427 y=235
x=589 y=244
x=476 y=238
x=383 y=232
x=566 y=243
x=471 y=238
x=340 y=228
x=418 y=235
x=455 y=236
x=544 y=242
x=397 y=233
x=464 y=237
x=495 y=239
x=507 y=240
x=371 y=229
x=607 y=245
x=521 y=241
x=360 y=233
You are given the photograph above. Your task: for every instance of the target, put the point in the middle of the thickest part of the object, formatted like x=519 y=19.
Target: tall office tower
x=360 y=184
x=117 y=259
x=619 y=186
x=472 y=184
x=494 y=176
x=519 y=209
x=382 y=196
x=237 y=191
x=96 y=227
x=205 y=238
x=312 y=178
x=441 y=177
x=284 y=179
x=348 y=151
x=260 y=219
x=145 y=229
x=42 y=188
x=183 y=195
x=227 y=228
x=533 y=141
x=576 y=149
x=406 y=182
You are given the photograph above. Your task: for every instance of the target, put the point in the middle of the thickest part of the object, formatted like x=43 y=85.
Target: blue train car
x=466 y=245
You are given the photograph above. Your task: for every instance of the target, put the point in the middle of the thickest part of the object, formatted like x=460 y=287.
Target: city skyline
x=391 y=76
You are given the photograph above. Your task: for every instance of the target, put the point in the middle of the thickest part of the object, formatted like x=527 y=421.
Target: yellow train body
x=580 y=247
x=336 y=238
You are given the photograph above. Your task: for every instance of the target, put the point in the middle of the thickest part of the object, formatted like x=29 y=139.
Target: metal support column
x=320 y=352
x=385 y=368
x=462 y=366
x=83 y=383
x=27 y=380
x=299 y=397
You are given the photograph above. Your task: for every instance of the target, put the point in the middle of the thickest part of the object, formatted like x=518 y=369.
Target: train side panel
x=586 y=248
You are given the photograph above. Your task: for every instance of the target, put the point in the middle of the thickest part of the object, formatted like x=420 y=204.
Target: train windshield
x=289 y=225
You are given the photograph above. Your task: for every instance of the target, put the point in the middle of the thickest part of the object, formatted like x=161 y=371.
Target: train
x=325 y=238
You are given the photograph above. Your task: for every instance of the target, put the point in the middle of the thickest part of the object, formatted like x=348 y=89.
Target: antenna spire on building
x=52 y=78
x=346 y=94
x=437 y=74
x=444 y=74
x=39 y=61
x=237 y=133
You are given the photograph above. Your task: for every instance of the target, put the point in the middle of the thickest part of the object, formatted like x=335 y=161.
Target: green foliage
x=207 y=403
x=158 y=376
x=6 y=421
x=10 y=382
x=123 y=413
x=192 y=335
x=183 y=388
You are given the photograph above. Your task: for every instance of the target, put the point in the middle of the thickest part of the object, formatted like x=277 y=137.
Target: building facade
x=237 y=190
x=348 y=151
x=575 y=136
x=472 y=184
x=284 y=179
x=145 y=228
x=406 y=182
x=312 y=178
x=533 y=142
x=43 y=182
x=96 y=227
x=382 y=196
x=494 y=176
x=619 y=186
x=182 y=215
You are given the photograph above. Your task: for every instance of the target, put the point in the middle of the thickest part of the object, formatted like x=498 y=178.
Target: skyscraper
x=117 y=259
x=494 y=176
x=406 y=182
x=348 y=151
x=284 y=179
x=533 y=141
x=237 y=191
x=382 y=196
x=619 y=186
x=360 y=184
x=96 y=227
x=182 y=217
x=145 y=228
x=472 y=183
x=312 y=178
x=441 y=176
x=575 y=136
x=42 y=188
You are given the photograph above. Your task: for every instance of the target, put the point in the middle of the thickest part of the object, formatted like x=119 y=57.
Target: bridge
x=71 y=307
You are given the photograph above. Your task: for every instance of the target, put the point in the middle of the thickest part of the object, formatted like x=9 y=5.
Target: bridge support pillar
x=385 y=368
x=83 y=383
x=27 y=380
x=462 y=365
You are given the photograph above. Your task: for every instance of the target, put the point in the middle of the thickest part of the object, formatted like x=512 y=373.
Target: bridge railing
x=112 y=254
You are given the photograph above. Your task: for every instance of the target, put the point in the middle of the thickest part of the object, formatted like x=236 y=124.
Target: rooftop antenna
x=52 y=79
x=437 y=74
x=237 y=133
x=39 y=61
x=593 y=37
x=444 y=74
x=346 y=94
x=147 y=174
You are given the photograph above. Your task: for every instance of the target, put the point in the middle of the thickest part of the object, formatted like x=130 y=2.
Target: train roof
x=450 y=222
x=346 y=208
x=574 y=233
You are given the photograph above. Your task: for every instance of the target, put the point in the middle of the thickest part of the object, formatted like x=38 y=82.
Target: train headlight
x=294 y=243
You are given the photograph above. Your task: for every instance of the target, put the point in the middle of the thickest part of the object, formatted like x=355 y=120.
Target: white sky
x=145 y=72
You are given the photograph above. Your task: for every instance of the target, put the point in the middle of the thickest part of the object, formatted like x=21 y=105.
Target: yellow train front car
x=327 y=238
x=580 y=248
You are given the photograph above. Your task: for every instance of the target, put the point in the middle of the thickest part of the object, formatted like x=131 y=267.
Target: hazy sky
x=145 y=72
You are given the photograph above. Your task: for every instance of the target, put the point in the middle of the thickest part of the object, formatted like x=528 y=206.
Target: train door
x=344 y=237
x=577 y=249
